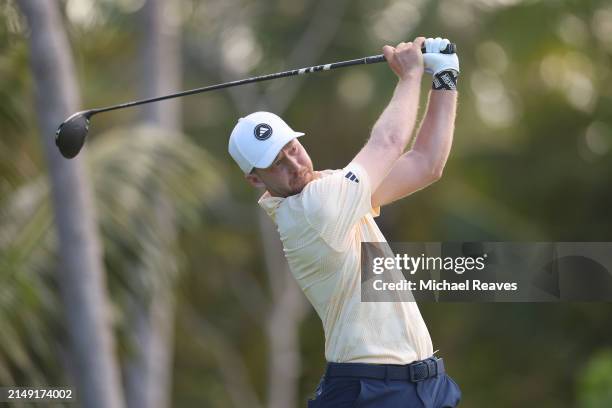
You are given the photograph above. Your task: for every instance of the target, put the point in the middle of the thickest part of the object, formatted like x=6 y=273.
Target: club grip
x=451 y=48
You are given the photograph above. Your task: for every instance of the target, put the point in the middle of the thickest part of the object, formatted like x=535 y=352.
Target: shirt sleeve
x=333 y=205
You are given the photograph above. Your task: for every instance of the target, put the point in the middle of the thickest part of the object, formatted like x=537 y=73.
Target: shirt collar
x=269 y=203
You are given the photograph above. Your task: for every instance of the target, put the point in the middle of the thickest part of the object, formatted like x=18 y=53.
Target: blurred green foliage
x=595 y=386
x=532 y=160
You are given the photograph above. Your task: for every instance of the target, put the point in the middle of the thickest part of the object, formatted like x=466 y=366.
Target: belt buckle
x=413 y=369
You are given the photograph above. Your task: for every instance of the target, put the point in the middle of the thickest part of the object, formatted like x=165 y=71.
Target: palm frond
x=129 y=167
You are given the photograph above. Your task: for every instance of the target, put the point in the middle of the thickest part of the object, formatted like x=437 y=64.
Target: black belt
x=414 y=372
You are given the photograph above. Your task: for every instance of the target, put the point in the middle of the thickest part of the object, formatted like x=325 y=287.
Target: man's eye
x=294 y=149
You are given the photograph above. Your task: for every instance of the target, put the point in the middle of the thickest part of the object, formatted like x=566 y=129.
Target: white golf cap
x=258 y=138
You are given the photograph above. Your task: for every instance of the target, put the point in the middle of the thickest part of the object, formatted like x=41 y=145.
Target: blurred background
x=143 y=274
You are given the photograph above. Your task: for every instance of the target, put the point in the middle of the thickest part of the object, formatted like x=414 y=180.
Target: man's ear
x=254 y=180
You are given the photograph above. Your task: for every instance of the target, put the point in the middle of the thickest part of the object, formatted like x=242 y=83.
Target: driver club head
x=70 y=135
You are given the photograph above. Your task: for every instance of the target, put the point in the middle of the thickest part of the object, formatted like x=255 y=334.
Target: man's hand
x=435 y=61
x=406 y=59
x=444 y=67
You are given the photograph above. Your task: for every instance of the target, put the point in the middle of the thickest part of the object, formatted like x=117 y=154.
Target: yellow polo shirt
x=322 y=229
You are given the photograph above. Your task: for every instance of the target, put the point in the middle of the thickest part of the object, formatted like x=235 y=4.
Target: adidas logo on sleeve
x=351 y=177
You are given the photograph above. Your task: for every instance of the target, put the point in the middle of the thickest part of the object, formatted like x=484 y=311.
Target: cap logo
x=262 y=131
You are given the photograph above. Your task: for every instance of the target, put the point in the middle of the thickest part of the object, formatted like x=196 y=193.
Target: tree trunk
x=288 y=309
x=149 y=370
x=161 y=62
x=81 y=275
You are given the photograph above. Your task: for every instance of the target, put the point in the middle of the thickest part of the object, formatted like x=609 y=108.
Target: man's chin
x=302 y=183
x=297 y=190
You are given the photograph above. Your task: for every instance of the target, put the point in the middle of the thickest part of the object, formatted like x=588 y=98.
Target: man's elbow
x=390 y=144
x=436 y=173
x=432 y=167
x=389 y=139
x=430 y=177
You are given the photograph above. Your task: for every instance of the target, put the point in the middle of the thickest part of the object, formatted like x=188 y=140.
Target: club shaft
x=301 y=71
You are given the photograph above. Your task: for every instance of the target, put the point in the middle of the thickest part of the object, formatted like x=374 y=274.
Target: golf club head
x=70 y=135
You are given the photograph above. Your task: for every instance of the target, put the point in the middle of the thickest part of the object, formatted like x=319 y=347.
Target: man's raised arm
x=393 y=129
x=424 y=163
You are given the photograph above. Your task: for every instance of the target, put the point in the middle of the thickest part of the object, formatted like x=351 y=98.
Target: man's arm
x=392 y=130
x=424 y=163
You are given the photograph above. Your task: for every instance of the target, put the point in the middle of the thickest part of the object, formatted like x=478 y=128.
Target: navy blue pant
x=343 y=392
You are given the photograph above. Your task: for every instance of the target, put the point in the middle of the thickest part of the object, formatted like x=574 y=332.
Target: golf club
x=70 y=135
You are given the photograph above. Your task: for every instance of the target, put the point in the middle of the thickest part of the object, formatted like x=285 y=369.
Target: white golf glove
x=443 y=67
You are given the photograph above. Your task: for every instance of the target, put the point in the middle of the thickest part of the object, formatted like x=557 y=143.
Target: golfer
x=379 y=354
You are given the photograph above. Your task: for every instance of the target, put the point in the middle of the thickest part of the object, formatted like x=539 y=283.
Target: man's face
x=289 y=173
